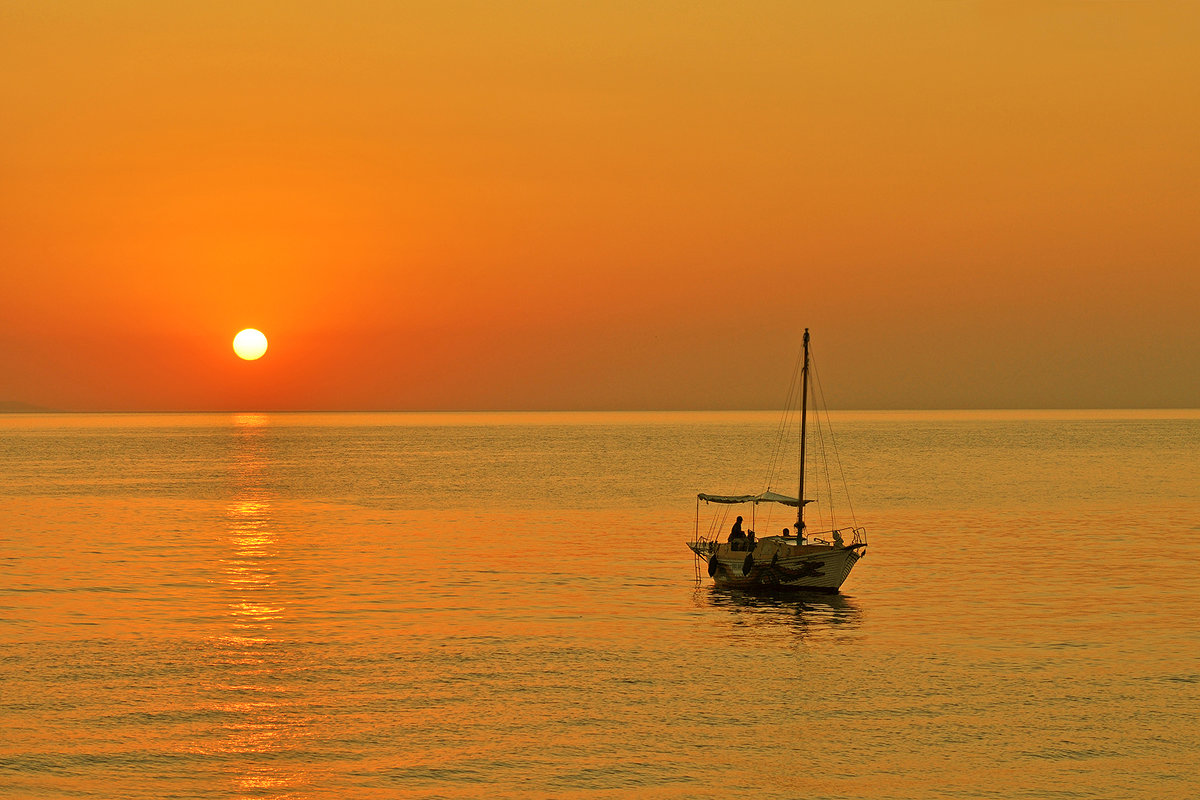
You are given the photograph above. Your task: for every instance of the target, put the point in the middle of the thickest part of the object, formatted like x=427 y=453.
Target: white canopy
x=765 y=497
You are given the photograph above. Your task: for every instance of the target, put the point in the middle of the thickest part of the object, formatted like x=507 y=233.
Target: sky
x=617 y=205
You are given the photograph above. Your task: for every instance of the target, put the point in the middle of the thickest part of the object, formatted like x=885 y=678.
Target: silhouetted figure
x=736 y=531
x=737 y=538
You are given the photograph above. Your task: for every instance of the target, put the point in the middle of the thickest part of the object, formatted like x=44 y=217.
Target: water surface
x=471 y=605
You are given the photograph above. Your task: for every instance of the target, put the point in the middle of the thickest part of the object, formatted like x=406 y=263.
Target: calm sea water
x=502 y=605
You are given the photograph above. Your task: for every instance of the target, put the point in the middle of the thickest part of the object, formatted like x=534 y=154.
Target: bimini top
x=765 y=497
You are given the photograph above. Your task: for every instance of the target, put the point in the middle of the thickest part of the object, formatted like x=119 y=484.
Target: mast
x=803 y=430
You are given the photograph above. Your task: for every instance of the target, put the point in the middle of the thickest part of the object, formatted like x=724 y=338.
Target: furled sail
x=765 y=497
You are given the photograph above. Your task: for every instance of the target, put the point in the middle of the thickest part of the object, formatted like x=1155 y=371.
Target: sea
x=496 y=605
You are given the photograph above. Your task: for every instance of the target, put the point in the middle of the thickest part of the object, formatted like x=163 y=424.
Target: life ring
x=748 y=564
x=712 y=565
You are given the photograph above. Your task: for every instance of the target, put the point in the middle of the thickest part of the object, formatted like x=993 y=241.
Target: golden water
x=473 y=605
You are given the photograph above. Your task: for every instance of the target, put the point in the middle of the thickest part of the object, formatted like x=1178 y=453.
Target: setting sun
x=250 y=344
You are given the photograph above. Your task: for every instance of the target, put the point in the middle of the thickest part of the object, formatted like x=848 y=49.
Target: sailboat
x=807 y=560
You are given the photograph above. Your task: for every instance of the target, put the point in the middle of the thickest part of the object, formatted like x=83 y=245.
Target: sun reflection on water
x=261 y=722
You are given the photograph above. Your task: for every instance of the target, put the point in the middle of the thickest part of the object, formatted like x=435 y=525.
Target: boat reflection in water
x=257 y=662
x=810 y=615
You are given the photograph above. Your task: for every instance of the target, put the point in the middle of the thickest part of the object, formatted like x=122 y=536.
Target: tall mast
x=803 y=430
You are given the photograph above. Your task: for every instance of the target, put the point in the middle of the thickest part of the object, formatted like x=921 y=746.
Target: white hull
x=778 y=563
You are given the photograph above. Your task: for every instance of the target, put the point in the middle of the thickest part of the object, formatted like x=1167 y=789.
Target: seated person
x=737 y=537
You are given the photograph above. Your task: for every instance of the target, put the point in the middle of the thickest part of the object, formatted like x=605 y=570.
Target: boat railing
x=856 y=535
x=839 y=535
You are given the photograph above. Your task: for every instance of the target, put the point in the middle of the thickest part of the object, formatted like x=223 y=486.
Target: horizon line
x=33 y=410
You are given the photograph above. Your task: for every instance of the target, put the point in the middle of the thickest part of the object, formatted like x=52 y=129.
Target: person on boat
x=736 y=531
x=786 y=533
x=737 y=537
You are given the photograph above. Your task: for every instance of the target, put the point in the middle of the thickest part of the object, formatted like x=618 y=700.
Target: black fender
x=748 y=564
x=712 y=565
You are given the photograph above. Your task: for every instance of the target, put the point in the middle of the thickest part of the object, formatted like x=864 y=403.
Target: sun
x=250 y=344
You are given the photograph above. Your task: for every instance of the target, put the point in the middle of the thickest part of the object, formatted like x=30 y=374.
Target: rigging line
x=825 y=427
x=815 y=453
x=787 y=421
x=828 y=483
x=825 y=471
x=836 y=455
x=717 y=523
x=784 y=424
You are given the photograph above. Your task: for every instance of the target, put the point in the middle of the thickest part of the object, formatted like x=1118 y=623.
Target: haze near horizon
x=629 y=206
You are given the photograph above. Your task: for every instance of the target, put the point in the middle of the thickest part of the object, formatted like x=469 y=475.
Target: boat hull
x=777 y=564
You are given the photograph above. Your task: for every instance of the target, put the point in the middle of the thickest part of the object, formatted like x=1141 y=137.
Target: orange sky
x=611 y=205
